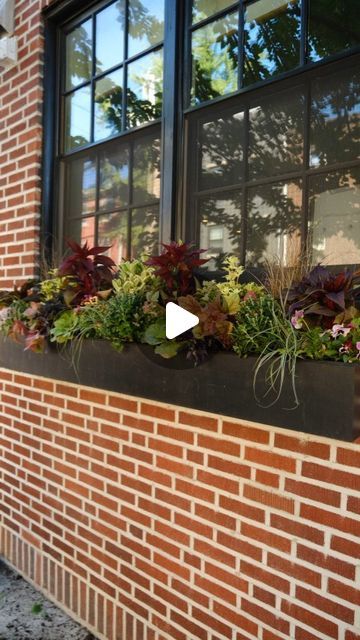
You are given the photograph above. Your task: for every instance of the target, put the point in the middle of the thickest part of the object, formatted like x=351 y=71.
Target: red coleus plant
x=213 y=319
x=175 y=266
x=90 y=269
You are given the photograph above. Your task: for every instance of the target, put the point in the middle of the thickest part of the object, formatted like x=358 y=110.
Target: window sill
x=328 y=391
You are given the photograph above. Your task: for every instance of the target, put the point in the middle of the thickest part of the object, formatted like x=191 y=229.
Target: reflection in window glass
x=335 y=119
x=82 y=230
x=274 y=220
x=113 y=233
x=272 y=38
x=144 y=231
x=144 y=89
x=110 y=24
x=108 y=105
x=215 y=59
x=205 y=8
x=81 y=186
x=276 y=134
x=114 y=179
x=146 y=24
x=220 y=226
x=77 y=118
x=334 y=26
x=222 y=151
x=335 y=217
x=78 y=55
x=146 y=171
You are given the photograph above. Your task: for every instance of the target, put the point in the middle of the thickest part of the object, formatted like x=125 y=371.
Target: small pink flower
x=297 y=319
x=358 y=346
x=345 y=348
x=250 y=295
x=339 y=329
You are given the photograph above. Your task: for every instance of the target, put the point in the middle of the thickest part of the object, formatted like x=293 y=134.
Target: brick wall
x=152 y=522
x=20 y=149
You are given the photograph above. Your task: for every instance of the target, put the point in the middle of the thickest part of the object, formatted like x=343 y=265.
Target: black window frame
x=176 y=219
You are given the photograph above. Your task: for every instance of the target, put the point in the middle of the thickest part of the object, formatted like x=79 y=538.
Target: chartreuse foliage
x=88 y=297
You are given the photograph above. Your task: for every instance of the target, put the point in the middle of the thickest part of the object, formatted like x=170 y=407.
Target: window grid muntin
x=232 y=105
x=125 y=129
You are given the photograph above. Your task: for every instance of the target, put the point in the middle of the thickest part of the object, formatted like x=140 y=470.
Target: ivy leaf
x=168 y=349
x=156 y=333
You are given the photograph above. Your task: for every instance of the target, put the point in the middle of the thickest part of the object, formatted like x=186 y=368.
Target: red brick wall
x=20 y=148
x=154 y=522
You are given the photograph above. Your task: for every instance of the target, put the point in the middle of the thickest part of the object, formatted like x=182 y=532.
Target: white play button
x=178 y=320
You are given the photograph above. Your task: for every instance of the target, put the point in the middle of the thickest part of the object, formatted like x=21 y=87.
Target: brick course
x=142 y=524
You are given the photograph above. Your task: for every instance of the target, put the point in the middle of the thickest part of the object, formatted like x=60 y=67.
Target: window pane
x=145 y=231
x=82 y=231
x=205 y=8
x=272 y=38
x=335 y=118
x=78 y=55
x=276 y=134
x=146 y=24
x=146 y=171
x=215 y=59
x=110 y=36
x=335 y=217
x=114 y=179
x=77 y=118
x=113 y=231
x=222 y=151
x=145 y=89
x=81 y=186
x=220 y=226
x=108 y=105
x=334 y=25
x=274 y=220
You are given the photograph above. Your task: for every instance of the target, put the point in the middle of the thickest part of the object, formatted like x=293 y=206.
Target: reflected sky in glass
x=110 y=36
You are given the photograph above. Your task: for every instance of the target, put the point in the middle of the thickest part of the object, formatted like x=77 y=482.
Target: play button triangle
x=178 y=320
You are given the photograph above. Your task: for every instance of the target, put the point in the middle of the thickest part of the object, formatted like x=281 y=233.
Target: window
x=237 y=120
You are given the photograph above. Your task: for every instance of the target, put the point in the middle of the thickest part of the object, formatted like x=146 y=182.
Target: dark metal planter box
x=329 y=392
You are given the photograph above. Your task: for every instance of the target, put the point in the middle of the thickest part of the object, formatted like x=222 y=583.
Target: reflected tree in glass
x=334 y=224
x=144 y=231
x=146 y=24
x=145 y=89
x=334 y=25
x=215 y=59
x=108 y=105
x=78 y=55
x=335 y=118
x=271 y=38
x=146 y=171
x=113 y=232
x=114 y=178
x=220 y=226
x=222 y=151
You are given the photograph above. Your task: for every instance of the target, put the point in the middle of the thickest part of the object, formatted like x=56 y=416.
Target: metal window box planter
x=329 y=392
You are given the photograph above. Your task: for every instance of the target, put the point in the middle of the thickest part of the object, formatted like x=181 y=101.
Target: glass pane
x=113 y=232
x=335 y=217
x=81 y=186
x=222 y=151
x=78 y=55
x=274 y=220
x=82 y=231
x=334 y=25
x=146 y=171
x=114 y=178
x=146 y=24
x=220 y=226
x=335 y=118
x=110 y=23
x=144 y=231
x=276 y=134
x=215 y=59
x=272 y=38
x=205 y=8
x=145 y=89
x=108 y=105
x=77 y=118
